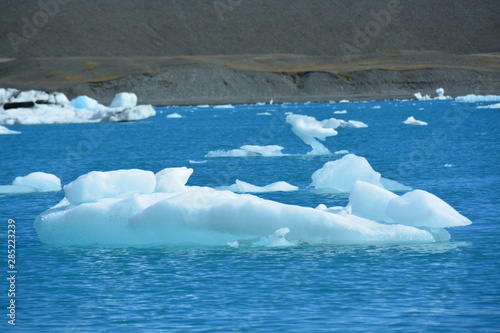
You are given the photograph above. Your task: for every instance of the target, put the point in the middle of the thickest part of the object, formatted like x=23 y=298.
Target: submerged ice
x=138 y=207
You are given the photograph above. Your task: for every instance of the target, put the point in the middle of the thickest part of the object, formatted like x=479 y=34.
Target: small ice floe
x=34 y=182
x=174 y=115
x=413 y=121
x=340 y=112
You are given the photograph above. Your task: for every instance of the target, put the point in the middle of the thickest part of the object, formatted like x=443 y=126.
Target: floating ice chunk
x=136 y=113
x=5 y=130
x=203 y=106
x=124 y=100
x=353 y=124
x=447 y=165
x=174 y=115
x=309 y=129
x=344 y=101
x=172 y=179
x=339 y=176
x=477 y=98
x=248 y=150
x=225 y=106
x=441 y=96
x=197 y=162
x=341 y=152
x=422 y=209
x=370 y=201
x=99 y=209
x=491 y=106
x=340 y=112
x=422 y=98
x=270 y=150
x=85 y=102
x=59 y=110
x=244 y=187
x=34 y=182
x=41 y=181
x=277 y=239
x=97 y=185
x=376 y=107
x=413 y=121
x=264 y=114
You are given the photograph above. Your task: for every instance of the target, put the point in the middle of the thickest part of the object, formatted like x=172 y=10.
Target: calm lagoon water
x=443 y=287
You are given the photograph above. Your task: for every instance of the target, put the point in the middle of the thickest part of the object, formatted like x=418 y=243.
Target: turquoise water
x=442 y=287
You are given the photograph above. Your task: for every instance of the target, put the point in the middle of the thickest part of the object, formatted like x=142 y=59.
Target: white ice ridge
x=440 y=96
x=491 y=106
x=243 y=187
x=5 y=130
x=248 y=150
x=138 y=208
x=412 y=121
x=34 y=182
x=309 y=130
x=37 y=107
x=340 y=175
x=477 y=98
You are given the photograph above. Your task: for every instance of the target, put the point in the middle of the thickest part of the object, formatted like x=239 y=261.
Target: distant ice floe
x=264 y=114
x=477 y=98
x=174 y=115
x=440 y=96
x=248 y=150
x=491 y=106
x=34 y=182
x=413 y=121
x=4 y=130
x=139 y=208
x=38 y=107
x=340 y=112
x=225 y=106
x=311 y=130
x=339 y=176
x=197 y=162
x=243 y=187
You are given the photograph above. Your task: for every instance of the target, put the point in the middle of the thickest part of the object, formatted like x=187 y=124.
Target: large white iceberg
x=33 y=182
x=36 y=107
x=311 y=130
x=340 y=175
x=131 y=208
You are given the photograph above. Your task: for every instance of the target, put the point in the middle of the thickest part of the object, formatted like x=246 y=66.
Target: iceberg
x=36 y=107
x=5 y=130
x=471 y=98
x=33 y=182
x=440 y=96
x=243 y=187
x=311 y=130
x=412 y=121
x=248 y=150
x=340 y=175
x=124 y=208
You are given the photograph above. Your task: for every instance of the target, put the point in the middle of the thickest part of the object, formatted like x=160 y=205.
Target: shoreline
x=249 y=79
